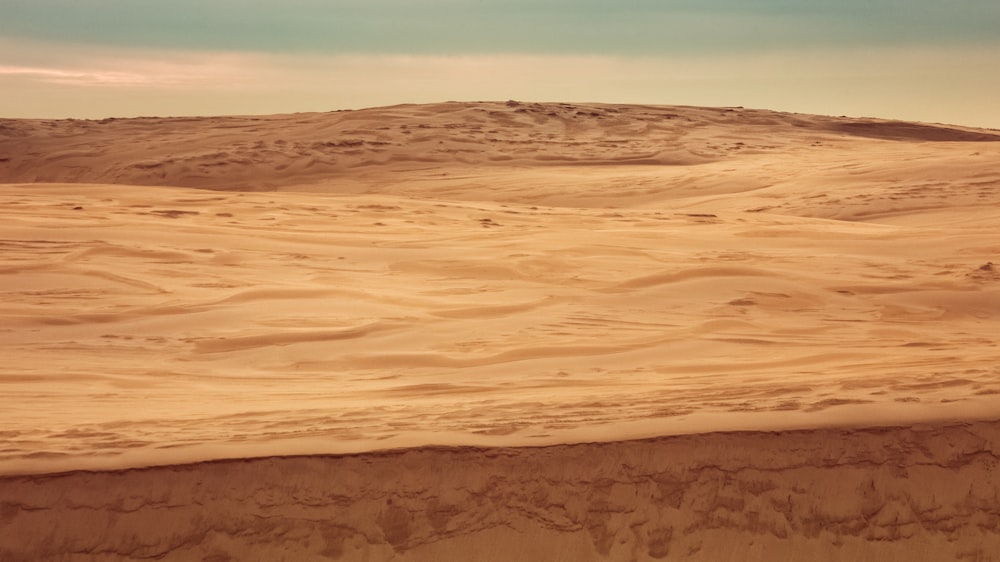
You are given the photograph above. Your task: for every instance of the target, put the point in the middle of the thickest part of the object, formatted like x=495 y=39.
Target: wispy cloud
x=88 y=66
x=84 y=77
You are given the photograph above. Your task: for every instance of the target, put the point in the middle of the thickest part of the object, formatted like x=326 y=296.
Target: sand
x=500 y=331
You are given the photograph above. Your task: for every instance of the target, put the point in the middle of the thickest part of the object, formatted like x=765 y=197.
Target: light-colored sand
x=501 y=275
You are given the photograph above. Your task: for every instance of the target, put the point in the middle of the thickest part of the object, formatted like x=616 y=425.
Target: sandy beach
x=499 y=331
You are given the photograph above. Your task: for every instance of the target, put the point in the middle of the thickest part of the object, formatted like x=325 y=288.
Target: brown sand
x=500 y=275
x=923 y=493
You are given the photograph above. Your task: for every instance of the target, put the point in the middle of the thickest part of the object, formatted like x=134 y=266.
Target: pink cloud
x=103 y=67
x=72 y=77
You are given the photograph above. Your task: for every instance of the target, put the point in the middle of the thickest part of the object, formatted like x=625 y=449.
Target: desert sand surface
x=497 y=331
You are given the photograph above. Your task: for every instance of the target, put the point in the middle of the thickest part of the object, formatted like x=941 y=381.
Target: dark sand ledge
x=927 y=492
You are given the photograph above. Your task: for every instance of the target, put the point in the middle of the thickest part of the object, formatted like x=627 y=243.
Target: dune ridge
x=530 y=283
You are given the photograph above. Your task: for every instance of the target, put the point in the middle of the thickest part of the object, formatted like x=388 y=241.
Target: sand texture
x=618 y=284
x=924 y=494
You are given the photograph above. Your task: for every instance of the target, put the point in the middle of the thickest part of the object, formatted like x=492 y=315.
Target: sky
x=922 y=60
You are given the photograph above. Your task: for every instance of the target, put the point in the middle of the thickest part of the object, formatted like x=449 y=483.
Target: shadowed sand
x=921 y=493
x=504 y=275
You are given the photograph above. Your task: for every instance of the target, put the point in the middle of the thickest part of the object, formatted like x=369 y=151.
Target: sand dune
x=494 y=276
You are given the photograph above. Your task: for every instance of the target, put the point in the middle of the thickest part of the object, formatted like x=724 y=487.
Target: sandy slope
x=506 y=275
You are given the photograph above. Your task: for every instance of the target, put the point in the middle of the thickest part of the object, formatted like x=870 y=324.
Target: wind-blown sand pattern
x=500 y=331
